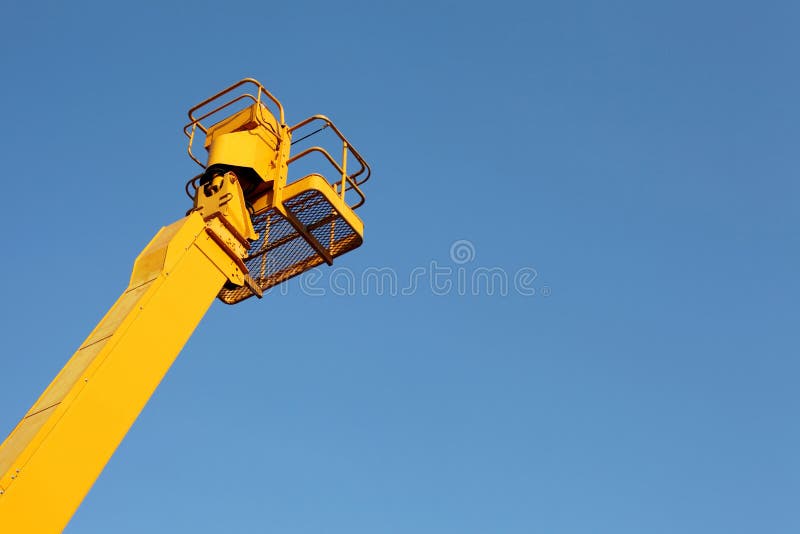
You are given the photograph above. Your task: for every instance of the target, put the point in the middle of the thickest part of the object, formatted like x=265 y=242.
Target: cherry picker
x=249 y=229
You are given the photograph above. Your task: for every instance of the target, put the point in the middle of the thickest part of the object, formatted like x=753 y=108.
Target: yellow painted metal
x=257 y=139
x=222 y=195
x=53 y=456
x=251 y=139
x=349 y=181
x=51 y=459
x=255 y=143
x=315 y=182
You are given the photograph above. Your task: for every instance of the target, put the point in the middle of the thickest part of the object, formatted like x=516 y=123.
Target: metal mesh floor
x=281 y=252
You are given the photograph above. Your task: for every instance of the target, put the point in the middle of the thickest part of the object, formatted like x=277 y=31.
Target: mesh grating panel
x=281 y=252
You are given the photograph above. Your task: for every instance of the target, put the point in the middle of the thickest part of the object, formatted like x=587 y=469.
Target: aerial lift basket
x=249 y=228
x=299 y=224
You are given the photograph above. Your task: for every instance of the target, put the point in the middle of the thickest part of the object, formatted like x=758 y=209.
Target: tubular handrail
x=261 y=89
x=198 y=120
x=195 y=122
x=349 y=182
x=364 y=165
x=352 y=185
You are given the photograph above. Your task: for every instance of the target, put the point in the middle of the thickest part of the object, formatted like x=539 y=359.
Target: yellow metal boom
x=56 y=452
x=247 y=231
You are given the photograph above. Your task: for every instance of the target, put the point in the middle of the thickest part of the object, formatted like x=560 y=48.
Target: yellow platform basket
x=300 y=224
x=312 y=227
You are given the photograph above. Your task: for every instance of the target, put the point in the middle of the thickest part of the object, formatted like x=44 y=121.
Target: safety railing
x=195 y=121
x=345 y=182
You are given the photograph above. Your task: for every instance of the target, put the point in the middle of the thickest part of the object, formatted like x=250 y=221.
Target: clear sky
x=639 y=157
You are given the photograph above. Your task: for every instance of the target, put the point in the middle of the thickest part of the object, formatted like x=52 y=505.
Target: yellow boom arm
x=53 y=456
x=248 y=230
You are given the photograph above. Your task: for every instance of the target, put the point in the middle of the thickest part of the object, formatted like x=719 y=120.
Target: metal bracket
x=308 y=236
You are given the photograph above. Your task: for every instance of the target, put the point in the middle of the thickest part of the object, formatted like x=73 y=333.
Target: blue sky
x=641 y=157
